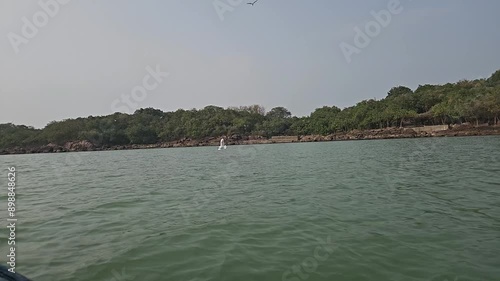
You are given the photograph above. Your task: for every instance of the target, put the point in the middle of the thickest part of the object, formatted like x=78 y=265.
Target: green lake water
x=412 y=209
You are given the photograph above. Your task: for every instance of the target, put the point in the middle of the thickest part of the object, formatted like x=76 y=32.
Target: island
x=464 y=108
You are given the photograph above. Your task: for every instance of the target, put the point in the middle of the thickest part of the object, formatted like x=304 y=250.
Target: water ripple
x=377 y=210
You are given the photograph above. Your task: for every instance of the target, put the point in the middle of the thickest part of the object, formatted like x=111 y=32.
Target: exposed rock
x=386 y=133
x=79 y=146
x=284 y=139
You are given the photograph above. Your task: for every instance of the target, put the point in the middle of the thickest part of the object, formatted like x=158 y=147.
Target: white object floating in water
x=222 y=145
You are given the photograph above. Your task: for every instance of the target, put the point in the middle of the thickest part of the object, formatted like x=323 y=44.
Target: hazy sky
x=276 y=53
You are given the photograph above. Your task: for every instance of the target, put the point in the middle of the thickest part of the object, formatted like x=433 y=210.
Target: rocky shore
x=386 y=133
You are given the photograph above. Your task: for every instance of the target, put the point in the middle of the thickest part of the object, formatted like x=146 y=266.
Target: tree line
x=475 y=101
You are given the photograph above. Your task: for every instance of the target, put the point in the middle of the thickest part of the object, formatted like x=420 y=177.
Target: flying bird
x=250 y=3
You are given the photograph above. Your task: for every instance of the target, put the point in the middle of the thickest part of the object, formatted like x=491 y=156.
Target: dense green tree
x=322 y=120
x=492 y=104
x=476 y=101
x=398 y=91
x=279 y=112
x=12 y=135
x=494 y=79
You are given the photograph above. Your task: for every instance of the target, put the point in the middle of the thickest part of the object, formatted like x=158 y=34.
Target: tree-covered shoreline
x=473 y=101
